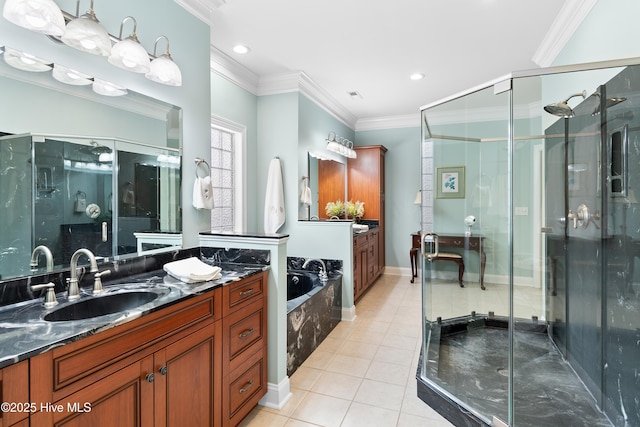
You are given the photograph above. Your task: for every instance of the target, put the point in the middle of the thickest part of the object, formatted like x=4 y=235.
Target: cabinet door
x=189 y=380
x=124 y=398
x=14 y=389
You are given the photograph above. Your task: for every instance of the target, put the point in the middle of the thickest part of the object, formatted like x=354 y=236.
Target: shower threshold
x=468 y=369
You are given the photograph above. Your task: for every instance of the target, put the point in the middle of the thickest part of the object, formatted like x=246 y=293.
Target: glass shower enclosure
x=530 y=181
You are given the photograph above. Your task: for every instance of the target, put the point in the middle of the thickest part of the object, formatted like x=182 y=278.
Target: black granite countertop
x=24 y=332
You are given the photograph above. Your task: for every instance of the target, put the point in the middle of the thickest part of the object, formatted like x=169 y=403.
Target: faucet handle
x=97 y=282
x=50 y=297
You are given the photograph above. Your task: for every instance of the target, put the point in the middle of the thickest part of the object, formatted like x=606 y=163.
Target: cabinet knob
x=163 y=370
x=150 y=378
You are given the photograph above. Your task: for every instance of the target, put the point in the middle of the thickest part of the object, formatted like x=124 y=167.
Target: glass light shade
x=25 y=62
x=164 y=70
x=69 y=76
x=85 y=33
x=106 y=88
x=128 y=54
x=42 y=16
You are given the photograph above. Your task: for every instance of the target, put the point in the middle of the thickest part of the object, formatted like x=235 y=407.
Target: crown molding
x=389 y=122
x=564 y=26
x=201 y=9
x=298 y=81
x=231 y=70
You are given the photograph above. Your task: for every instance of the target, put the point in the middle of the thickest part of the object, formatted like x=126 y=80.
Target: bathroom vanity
x=197 y=355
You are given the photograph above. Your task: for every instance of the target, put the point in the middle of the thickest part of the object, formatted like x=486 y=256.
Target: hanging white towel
x=203 y=193
x=305 y=197
x=274 y=216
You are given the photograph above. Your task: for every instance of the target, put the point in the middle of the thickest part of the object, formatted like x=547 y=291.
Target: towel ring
x=200 y=161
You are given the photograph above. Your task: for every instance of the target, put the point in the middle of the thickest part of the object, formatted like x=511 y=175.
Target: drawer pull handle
x=150 y=378
x=246 y=333
x=246 y=387
x=163 y=370
x=247 y=292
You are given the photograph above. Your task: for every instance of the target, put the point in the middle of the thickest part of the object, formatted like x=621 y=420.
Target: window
x=227 y=169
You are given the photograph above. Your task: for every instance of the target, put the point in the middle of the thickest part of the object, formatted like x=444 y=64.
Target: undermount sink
x=103 y=305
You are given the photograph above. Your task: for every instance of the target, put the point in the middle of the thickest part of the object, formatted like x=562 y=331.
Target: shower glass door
x=466 y=351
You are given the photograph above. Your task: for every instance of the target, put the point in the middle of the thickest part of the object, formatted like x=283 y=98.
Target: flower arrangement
x=354 y=210
x=334 y=208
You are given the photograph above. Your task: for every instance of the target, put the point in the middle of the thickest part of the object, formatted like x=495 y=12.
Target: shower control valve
x=581 y=217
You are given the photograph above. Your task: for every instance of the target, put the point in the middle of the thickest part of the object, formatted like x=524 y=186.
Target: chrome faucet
x=323 y=269
x=47 y=254
x=74 y=292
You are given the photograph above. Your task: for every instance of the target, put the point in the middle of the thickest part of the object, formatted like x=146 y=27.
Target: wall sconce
x=86 y=34
x=340 y=145
x=128 y=53
x=163 y=69
x=42 y=16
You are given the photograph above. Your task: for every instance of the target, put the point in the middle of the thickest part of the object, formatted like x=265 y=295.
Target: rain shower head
x=610 y=103
x=562 y=108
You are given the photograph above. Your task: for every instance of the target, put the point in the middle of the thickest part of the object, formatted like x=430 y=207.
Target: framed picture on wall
x=450 y=182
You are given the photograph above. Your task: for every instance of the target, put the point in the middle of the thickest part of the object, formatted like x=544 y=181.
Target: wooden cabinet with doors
x=365 y=175
x=163 y=369
x=14 y=391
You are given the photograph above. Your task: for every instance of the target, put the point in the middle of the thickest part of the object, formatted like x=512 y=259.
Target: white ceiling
x=373 y=46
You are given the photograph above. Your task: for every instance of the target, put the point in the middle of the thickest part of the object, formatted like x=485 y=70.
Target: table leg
x=413 y=255
x=483 y=263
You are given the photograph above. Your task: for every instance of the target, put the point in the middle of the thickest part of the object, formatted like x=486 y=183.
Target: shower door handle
x=430 y=240
x=582 y=217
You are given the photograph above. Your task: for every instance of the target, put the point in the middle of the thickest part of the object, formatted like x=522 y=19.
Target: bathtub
x=313 y=310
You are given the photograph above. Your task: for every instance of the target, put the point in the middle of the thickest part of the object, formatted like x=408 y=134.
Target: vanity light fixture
x=69 y=76
x=340 y=145
x=85 y=33
x=42 y=16
x=103 y=87
x=25 y=61
x=163 y=69
x=128 y=53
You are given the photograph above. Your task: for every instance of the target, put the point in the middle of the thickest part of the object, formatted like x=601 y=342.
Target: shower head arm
x=583 y=94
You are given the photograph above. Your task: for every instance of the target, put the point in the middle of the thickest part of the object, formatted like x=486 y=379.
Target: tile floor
x=363 y=374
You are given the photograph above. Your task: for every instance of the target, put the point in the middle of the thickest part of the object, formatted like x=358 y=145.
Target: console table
x=459 y=241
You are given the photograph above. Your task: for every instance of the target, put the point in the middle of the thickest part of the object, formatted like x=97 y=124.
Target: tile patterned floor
x=363 y=374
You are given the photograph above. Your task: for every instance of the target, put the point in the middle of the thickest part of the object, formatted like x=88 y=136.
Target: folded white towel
x=192 y=270
x=305 y=197
x=203 y=193
x=274 y=216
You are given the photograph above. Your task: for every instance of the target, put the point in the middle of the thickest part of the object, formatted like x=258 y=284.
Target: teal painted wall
x=233 y=103
x=402 y=182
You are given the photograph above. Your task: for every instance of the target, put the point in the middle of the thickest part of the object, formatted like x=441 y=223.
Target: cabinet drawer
x=245 y=331
x=247 y=385
x=244 y=292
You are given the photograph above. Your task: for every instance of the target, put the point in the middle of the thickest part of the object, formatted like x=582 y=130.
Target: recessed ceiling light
x=416 y=76
x=241 y=49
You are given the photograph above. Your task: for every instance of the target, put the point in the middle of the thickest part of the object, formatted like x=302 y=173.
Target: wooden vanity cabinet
x=244 y=347
x=14 y=390
x=365 y=175
x=163 y=369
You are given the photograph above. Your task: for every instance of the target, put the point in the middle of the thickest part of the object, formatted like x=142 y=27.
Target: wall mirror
x=79 y=169
x=328 y=183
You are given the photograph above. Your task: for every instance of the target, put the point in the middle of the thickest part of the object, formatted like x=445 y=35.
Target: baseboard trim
x=277 y=394
x=349 y=313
